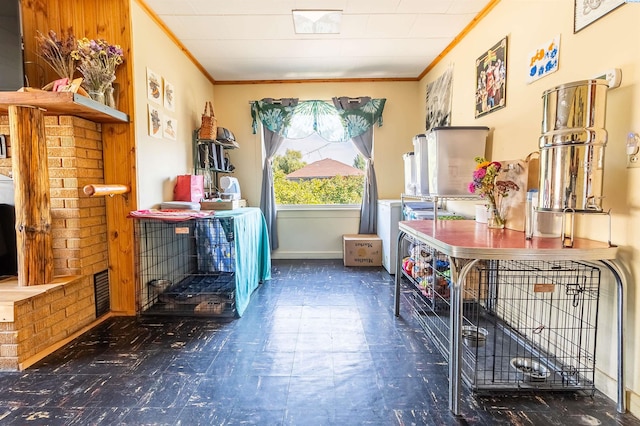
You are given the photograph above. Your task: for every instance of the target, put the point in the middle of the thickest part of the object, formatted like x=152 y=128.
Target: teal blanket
x=252 y=252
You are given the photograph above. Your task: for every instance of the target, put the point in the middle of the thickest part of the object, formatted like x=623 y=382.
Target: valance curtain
x=347 y=119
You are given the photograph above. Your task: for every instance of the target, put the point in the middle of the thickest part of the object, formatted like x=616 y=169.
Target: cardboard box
x=223 y=205
x=362 y=250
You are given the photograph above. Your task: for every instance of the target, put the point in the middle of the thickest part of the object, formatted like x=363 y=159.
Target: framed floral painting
x=155 y=122
x=169 y=96
x=154 y=87
x=491 y=79
x=587 y=12
x=169 y=128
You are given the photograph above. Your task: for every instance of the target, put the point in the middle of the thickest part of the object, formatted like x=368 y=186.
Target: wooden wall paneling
x=108 y=19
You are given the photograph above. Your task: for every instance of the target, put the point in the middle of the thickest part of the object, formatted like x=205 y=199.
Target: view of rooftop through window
x=315 y=171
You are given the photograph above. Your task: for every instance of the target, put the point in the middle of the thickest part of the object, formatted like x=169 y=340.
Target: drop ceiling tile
x=442 y=25
x=392 y=26
x=371 y=6
x=170 y=7
x=424 y=6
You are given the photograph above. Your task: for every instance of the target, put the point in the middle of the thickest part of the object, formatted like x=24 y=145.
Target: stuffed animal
x=421 y=262
x=407 y=266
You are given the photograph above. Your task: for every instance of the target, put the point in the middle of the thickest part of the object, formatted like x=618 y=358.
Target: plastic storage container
x=446 y=157
x=409 y=173
x=420 y=165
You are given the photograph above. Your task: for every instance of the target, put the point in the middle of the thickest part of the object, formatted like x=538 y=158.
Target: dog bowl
x=474 y=336
x=531 y=369
x=160 y=285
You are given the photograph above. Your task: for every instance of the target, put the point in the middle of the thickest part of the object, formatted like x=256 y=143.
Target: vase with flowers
x=97 y=61
x=486 y=185
x=57 y=53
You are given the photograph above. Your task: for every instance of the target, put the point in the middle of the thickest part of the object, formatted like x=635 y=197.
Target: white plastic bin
x=409 y=173
x=450 y=155
x=420 y=164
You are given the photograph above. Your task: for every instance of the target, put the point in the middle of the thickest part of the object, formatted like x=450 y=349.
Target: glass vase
x=109 y=99
x=495 y=219
x=97 y=95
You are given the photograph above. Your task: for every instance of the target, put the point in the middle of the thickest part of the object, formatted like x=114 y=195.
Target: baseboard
x=278 y=254
x=609 y=386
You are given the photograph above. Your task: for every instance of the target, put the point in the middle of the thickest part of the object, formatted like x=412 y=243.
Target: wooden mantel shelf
x=64 y=103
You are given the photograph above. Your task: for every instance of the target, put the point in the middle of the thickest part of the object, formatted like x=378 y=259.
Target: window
x=315 y=171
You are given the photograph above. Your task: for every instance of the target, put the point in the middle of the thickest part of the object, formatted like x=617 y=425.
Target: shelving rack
x=439 y=201
x=210 y=160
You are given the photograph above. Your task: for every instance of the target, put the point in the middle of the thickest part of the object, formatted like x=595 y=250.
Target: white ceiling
x=255 y=40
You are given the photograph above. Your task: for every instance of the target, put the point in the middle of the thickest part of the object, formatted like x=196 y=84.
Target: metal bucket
x=572 y=147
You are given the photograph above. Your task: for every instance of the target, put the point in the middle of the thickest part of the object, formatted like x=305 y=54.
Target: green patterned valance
x=308 y=117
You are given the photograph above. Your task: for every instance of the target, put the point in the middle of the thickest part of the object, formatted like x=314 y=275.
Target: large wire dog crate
x=186 y=267
x=527 y=325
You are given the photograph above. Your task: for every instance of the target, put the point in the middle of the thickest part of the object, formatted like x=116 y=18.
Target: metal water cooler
x=389 y=214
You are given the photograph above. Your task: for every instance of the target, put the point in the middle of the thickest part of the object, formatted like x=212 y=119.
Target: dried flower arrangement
x=98 y=62
x=57 y=52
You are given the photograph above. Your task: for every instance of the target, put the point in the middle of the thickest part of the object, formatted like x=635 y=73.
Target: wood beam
x=32 y=198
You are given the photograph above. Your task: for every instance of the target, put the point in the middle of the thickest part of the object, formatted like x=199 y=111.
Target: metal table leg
x=396 y=297
x=458 y=277
x=619 y=276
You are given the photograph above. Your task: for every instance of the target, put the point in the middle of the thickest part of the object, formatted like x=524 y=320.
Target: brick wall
x=79 y=239
x=79 y=223
x=44 y=320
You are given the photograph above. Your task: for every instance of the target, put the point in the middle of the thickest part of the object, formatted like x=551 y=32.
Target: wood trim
x=316 y=80
x=484 y=12
x=155 y=18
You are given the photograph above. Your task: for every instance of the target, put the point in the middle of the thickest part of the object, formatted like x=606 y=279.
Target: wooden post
x=32 y=197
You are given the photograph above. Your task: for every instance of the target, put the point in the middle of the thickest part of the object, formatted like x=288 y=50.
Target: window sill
x=317 y=207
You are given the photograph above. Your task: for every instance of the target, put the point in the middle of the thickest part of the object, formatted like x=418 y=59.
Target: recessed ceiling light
x=317 y=21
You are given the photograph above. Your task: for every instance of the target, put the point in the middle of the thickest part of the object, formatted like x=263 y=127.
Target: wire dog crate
x=186 y=267
x=527 y=325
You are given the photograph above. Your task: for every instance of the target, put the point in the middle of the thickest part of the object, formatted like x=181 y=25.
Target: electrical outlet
x=633 y=150
x=633 y=161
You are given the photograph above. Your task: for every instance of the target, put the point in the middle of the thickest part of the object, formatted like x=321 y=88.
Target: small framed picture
x=491 y=79
x=154 y=87
x=587 y=12
x=169 y=128
x=155 y=122
x=544 y=60
x=169 y=96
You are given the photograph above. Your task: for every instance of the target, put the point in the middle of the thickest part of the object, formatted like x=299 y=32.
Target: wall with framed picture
x=593 y=41
x=491 y=79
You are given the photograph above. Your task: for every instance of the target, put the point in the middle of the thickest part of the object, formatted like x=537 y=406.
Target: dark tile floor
x=318 y=345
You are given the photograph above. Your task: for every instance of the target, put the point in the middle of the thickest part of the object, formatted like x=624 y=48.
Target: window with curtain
x=356 y=116
x=316 y=164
